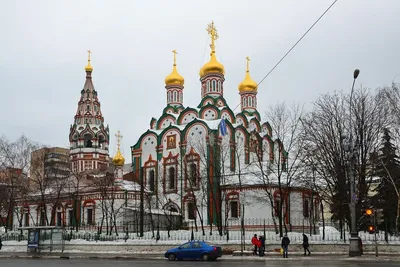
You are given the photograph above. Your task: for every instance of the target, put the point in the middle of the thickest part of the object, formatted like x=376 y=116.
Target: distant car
x=194 y=250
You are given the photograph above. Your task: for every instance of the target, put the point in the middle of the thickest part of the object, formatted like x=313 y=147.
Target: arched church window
x=193 y=175
x=174 y=96
x=219 y=86
x=214 y=86
x=255 y=102
x=244 y=102
x=171 y=178
x=87 y=108
x=250 y=102
x=181 y=97
x=88 y=140
x=151 y=180
x=208 y=86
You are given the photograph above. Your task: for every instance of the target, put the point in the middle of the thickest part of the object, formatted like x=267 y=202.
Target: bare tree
x=277 y=155
x=325 y=150
x=14 y=167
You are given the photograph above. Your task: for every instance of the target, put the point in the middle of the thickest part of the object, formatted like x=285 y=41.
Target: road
x=162 y=263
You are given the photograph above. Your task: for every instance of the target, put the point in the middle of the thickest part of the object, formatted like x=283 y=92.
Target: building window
x=208 y=86
x=193 y=175
x=89 y=216
x=59 y=218
x=171 y=178
x=42 y=217
x=250 y=102
x=244 y=102
x=191 y=207
x=214 y=86
x=26 y=219
x=234 y=208
x=219 y=86
x=71 y=217
x=306 y=208
x=151 y=180
x=192 y=161
x=277 y=206
x=87 y=108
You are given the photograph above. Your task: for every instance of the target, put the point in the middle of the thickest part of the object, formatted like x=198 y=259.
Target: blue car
x=194 y=250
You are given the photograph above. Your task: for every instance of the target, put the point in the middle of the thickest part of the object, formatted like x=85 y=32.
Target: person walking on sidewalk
x=306 y=245
x=1 y=243
x=255 y=243
x=261 y=250
x=285 y=245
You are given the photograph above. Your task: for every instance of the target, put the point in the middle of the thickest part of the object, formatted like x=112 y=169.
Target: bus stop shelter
x=44 y=238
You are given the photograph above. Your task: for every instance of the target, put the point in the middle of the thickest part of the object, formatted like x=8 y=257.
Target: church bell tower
x=88 y=137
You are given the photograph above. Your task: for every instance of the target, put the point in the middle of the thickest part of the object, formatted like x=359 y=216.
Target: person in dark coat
x=255 y=242
x=261 y=248
x=285 y=245
x=306 y=245
x=1 y=243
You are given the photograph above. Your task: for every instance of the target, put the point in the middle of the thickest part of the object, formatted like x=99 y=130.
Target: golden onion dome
x=88 y=66
x=212 y=66
x=174 y=78
x=118 y=159
x=248 y=84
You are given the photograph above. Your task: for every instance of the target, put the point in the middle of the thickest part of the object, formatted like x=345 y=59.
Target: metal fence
x=232 y=231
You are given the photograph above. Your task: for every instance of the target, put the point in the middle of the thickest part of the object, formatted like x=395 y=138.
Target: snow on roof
x=154 y=211
x=157 y=132
x=129 y=186
x=127 y=168
x=212 y=124
x=251 y=174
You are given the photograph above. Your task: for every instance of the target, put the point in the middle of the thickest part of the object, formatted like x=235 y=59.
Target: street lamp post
x=354 y=249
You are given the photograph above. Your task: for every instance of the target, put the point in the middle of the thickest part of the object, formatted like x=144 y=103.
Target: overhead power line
x=287 y=53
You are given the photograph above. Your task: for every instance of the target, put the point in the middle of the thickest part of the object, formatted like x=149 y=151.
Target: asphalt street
x=162 y=263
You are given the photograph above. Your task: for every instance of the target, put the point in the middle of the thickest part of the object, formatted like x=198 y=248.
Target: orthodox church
x=94 y=184
x=209 y=163
x=198 y=164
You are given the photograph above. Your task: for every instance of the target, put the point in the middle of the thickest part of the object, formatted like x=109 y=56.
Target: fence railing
x=232 y=231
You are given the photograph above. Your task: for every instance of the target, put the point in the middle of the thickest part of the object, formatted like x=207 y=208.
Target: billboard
x=33 y=238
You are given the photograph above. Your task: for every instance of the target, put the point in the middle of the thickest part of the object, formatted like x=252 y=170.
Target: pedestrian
x=1 y=243
x=285 y=245
x=254 y=241
x=261 y=249
x=306 y=245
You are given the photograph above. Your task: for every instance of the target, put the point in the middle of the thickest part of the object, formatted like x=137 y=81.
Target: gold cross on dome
x=174 y=51
x=248 y=64
x=89 y=52
x=119 y=136
x=212 y=31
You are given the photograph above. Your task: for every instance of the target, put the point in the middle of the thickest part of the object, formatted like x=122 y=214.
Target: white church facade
x=214 y=166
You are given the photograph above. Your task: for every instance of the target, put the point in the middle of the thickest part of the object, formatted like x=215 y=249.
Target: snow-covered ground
x=332 y=236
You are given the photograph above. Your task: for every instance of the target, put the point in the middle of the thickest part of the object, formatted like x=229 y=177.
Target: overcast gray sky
x=44 y=44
